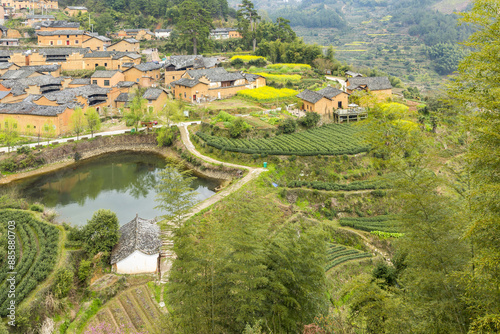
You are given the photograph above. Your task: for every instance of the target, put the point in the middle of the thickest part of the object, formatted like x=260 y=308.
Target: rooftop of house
x=222 y=30
x=56 y=24
x=137 y=235
x=144 y=67
x=99 y=37
x=310 y=96
x=330 y=92
x=17 y=74
x=18 y=87
x=30 y=108
x=4 y=66
x=353 y=74
x=68 y=95
x=105 y=74
x=163 y=30
x=152 y=93
x=112 y=54
x=62 y=51
x=372 y=83
x=186 y=82
x=60 y=32
x=196 y=62
x=42 y=68
x=217 y=74
x=123 y=97
x=125 y=84
x=80 y=81
x=251 y=77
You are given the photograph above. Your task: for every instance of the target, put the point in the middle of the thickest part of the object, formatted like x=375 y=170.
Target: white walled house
x=138 y=250
x=163 y=33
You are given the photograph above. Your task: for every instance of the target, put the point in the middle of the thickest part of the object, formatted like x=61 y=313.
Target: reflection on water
x=122 y=182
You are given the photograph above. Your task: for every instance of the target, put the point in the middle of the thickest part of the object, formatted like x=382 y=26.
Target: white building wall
x=138 y=263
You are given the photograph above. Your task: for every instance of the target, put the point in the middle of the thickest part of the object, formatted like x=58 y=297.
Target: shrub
x=84 y=270
x=311 y=119
x=23 y=150
x=36 y=207
x=63 y=283
x=289 y=125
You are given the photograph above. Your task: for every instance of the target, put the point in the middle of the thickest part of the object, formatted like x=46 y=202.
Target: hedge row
x=385 y=223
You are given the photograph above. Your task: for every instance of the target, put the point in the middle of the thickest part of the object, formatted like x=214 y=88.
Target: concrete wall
x=138 y=263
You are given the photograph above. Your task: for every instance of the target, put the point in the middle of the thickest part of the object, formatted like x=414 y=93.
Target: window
x=94 y=82
x=106 y=64
x=51 y=42
x=137 y=80
x=184 y=94
x=59 y=42
x=106 y=82
x=157 y=76
x=173 y=77
x=67 y=36
x=76 y=41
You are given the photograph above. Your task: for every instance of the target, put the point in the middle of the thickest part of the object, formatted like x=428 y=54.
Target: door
x=340 y=104
x=194 y=97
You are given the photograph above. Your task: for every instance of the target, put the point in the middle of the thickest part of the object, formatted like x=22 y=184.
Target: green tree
x=247 y=21
x=49 y=131
x=104 y=23
x=63 y=282
x=237 y=127
x=101 y=233
x=194 y=25
x=311 y=119
x=137 y=110
x=10 y=133
x=78 y=122
x=476 y=89
x=289 y=125
x=173 y=111
x=93 y=120
x=175 y=196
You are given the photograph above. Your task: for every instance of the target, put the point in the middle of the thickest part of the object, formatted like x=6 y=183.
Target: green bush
x=36 y=207
x=84 y=270
x=63 y=283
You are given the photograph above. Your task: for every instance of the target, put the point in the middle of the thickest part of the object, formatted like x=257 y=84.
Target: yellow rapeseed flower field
x=267 y=94
x=281 y=77
x=299 y=66
x=247 y=58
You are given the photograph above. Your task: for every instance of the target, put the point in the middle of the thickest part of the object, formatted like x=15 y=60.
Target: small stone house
x=107 y=78
x=380 y=87
x=138 y=250
x=324 y=101
x=125 y=45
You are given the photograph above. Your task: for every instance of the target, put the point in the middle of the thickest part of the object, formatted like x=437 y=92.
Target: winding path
x=252 y=174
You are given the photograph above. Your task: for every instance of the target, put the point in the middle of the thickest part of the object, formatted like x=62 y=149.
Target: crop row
x=267 y=94
x=386 y=223
x=332 y=186
x=337 y=254
x=331 y=139
x=39 y=243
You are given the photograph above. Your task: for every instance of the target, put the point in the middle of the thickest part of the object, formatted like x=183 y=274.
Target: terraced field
x=386 y=223
x=338 y=254
x=134 y=309
x=35 y=246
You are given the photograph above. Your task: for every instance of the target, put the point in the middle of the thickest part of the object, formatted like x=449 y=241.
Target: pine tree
x=194 y=25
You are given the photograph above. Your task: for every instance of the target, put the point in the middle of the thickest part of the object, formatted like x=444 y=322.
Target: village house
x=37 y=118
x=74 y=10
x=146 y=74
x=351 y=74
x=60 y=38
x=31 y=4
x=138 y=249
x=95 y=42
x=19 y=74
x=125 y=45
x=122 y=87
x=32 y=19
x=17 y=90
x=85 y=96
x=156 y=97
x=324 y=101
x=224 y=33
x=215 y=83
x=139 y=34
x=176 y=66
x=163 y=33
x=380 y=87
x=68 y=58
x=107 y=78
x=9 y=41
x=111 y=60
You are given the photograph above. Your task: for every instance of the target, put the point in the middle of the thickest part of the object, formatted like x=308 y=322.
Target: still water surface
x=122 y=182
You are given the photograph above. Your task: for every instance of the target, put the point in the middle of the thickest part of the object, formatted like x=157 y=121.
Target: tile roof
x=56 y=24
x=217 y=74
x=69 y=94
x=60 y=32
x=41 y=68
x=138 y=234
x=33 y=17
x=372 y=83
x=30 y=108
x=4 y=66
x=62 y=51
x=163 y=30
x=125 y=84
x=18 y=87
x=77 y=8
x=330 y=92
x=104 y=74
x=80 y=81
x=180 y=62
x=17 y=74
x=186 y=82
x=123 y=97
x=152 y=93
x=251 y=77
x=144 y=67
x=310 y=96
